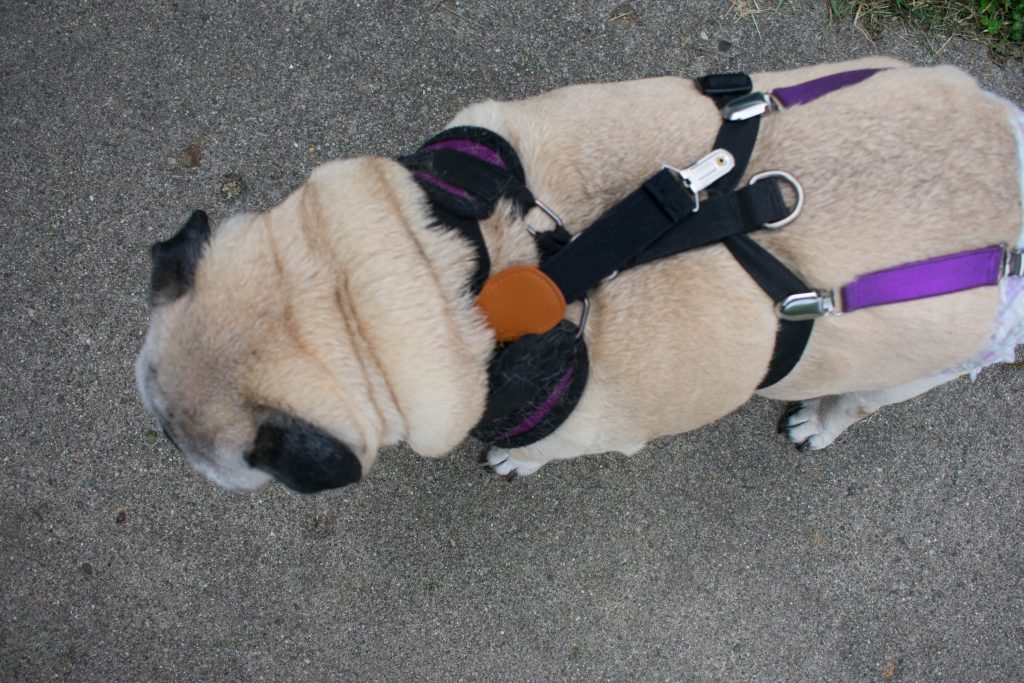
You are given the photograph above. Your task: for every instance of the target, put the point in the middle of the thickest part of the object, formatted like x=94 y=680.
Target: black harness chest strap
x=621 y=232
x=658 y=220
x=735 y=213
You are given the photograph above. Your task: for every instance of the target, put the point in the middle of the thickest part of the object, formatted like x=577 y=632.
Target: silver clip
x=749 y=106
x=808 y=305
x=1013 y=263
x=701 y=175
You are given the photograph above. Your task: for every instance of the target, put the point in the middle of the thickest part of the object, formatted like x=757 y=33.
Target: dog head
x=293 y=344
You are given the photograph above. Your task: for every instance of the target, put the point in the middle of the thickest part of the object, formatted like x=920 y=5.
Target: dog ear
x=174 y=261
x=302 y=456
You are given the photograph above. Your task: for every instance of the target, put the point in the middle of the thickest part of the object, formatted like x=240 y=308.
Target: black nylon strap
x=777 y=281
x=739 y=137
x=719 y=217
x=619 y=234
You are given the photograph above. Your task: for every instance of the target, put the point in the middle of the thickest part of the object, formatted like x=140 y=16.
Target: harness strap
x=777 y=281
x=476 y=181
x=739 y=137
x=928 y=278
x=464 y=172
x=735 y=213
x=622 y=231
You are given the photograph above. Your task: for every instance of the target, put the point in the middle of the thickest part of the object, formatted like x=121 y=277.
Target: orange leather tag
x=521 y=300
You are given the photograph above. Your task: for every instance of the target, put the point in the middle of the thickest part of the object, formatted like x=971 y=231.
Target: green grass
x=998 y=23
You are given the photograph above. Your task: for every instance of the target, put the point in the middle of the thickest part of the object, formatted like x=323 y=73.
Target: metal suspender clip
x=749 y=106
x=809 y=305
x=1013 y=263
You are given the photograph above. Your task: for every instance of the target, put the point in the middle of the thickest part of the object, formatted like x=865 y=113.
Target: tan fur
x=342 y=304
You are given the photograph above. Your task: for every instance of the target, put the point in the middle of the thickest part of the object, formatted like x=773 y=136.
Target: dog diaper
x=1009 y=324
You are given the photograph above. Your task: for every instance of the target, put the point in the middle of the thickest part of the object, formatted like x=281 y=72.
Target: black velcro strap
x=724 y=87
x=778 y=282
x=719 y=217
x=620 y=233
x=482 y=136
x=534 y=384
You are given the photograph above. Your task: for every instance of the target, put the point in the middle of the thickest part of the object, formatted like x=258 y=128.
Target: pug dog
x=295 y=343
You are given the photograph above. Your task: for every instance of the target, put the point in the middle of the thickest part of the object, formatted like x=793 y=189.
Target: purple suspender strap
x=932 y=277
x=802 y=93
x=908 y=282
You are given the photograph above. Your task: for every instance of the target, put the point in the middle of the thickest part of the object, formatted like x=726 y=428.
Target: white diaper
x=1009 y=329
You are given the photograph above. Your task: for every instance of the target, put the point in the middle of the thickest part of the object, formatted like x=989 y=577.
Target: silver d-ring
x=583 y=317
x=797 y=187
x=550 y=214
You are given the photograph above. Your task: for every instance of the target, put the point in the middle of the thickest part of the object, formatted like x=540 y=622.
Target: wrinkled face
x=227 y=370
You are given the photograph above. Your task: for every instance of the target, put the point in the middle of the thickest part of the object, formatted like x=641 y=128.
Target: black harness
x=536 y=381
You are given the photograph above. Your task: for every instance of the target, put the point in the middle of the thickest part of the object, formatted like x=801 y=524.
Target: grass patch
x=998 y=23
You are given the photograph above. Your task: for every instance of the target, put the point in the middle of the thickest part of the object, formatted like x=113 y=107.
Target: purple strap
x=803 y=93
x=932 y=277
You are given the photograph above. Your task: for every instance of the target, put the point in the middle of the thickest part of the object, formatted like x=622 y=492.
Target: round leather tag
x=521 y=300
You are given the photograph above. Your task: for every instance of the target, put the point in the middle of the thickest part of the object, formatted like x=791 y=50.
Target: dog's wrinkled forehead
x=192 y=375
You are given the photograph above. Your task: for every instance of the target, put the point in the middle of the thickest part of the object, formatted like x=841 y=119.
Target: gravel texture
x=722 y=554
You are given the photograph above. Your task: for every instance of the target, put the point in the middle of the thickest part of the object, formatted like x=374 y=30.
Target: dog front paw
x=501 y=462
x=802 y=424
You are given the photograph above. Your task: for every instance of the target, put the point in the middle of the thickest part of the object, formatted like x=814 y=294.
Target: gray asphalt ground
x=722 y=554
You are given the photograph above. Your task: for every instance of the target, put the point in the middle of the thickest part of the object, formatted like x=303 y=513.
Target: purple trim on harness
x=931 y=277
x=538 y=415
x=447 y=187
x=482 y=152
x=803 y=93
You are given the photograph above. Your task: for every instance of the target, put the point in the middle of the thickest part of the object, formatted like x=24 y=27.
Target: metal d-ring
x=583 y=317
x=797 y=187
x=550 y=213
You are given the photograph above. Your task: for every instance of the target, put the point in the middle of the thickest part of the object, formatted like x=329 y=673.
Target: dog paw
x=803 y=425
x=501 y=462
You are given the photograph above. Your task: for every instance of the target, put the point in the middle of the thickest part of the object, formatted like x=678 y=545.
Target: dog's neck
x=406 y=281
